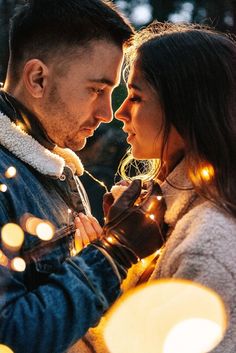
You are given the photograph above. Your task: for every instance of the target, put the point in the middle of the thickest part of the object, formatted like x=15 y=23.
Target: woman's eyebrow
x=134 y=86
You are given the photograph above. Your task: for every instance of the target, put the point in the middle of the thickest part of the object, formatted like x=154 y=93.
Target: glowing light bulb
x=12 y=236
x=10 y=172
x=144 y=262
x=158 y=252
x=159 y=197
x=18 y=264
x=5 y=349
x=110 y=239
x=45 y=231
x=207 y=173
x=20 y=125
x=3 y=188
x=152 y=216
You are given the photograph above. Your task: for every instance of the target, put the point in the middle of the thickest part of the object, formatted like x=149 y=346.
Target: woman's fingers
x=88 y=229
x=78 y=241
x=96 y=225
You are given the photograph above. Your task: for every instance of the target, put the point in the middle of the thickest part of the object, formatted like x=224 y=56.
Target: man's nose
x=105 y=112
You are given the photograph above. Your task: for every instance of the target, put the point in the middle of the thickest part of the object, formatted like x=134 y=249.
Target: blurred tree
x=161 y=9
x=217 y=13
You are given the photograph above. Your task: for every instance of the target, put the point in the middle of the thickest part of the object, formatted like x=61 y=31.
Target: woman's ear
x=35 y=76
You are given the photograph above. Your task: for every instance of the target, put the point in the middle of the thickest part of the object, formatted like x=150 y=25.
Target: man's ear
x=35 y=77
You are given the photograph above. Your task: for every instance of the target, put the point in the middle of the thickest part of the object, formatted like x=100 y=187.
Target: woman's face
x=143 y=119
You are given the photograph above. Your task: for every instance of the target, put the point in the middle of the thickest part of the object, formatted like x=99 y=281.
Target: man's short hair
x=42 y=28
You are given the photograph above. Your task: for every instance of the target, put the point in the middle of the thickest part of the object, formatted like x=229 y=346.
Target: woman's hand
x=87 y=230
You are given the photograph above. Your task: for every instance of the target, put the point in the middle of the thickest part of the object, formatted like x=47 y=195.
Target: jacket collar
x=30 y=151
x=178 y=192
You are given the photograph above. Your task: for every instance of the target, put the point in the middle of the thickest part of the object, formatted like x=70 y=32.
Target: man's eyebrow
x=134 y=86
x=104 y=81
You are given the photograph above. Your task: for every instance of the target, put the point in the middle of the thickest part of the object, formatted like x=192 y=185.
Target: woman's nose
x=121 y=113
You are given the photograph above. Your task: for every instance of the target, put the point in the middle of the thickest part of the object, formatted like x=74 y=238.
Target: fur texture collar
x=30 y=151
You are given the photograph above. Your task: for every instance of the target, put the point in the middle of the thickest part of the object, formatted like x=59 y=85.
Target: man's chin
x=76 y=145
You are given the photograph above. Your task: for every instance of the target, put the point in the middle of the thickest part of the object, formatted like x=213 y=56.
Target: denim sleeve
x=54 y=315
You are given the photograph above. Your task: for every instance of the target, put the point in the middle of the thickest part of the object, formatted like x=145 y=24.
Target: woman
x=181 y=109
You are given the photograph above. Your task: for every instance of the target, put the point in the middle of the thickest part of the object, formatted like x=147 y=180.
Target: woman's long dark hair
x=193 y=69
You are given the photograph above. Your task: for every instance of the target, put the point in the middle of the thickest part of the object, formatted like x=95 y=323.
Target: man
x=65 y=60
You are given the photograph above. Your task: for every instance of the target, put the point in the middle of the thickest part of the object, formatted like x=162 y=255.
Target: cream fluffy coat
x=201 y=247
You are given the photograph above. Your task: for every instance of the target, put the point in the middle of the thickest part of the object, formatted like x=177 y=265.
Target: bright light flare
x=5 y=349
x=18 y=264
x=152 y=216
x=3 y=187
x=207 y=329
x=3 y=259
x=45 y=231
x=12 y=236
x=10 y=172
x=111 y=240
x=166 y=316
x=207 y=173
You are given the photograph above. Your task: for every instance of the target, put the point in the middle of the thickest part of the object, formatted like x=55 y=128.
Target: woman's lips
x=130 y=137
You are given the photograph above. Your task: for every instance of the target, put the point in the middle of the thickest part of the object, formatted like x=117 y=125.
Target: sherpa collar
x=30 y=151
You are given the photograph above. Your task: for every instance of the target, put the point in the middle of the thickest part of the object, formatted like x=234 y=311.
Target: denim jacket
x=50 y=305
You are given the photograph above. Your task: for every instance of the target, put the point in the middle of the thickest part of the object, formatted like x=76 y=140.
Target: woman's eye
x=135 y=99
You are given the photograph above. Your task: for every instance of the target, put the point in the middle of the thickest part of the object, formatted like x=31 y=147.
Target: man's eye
x=98 y=91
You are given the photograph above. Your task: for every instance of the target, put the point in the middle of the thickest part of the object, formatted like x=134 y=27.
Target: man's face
x=77 y=101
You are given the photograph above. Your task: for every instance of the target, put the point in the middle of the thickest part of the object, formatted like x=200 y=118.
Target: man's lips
x=89 y=131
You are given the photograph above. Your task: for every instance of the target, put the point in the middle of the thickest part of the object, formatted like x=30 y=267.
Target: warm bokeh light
x=45 y=231
x=207 y=329
x=159 y=197
x=10 y=172
x=12 y=236
x=18 y=264
x=5 y=349
x=20 y=125
x=203 y=174
x=207 y=173
x=3 y=187
x=152 y=216
x=30 y=223
x=166 y=316
x=110 y=239
x=3 y=259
